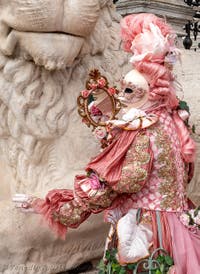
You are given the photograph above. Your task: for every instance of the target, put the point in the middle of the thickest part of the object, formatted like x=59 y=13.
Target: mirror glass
x=98 y=102
x=100 y=106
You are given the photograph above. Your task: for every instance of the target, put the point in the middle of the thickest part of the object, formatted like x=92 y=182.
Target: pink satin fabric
x=185 y=247
x=166 y=234
x=181 y=243
x=188 y=147
x=108 y=164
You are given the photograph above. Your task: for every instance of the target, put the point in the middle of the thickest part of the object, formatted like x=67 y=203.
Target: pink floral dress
x=146 y=168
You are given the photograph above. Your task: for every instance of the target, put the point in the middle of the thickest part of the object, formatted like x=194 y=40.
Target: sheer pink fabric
x=53 y=201
x=185 y=247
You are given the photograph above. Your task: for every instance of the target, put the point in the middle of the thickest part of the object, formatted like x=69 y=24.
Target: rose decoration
x=197 y=219
x=172 y=270
x=100 y=132
x=112 y=91
x=191 y=218
x=93 y=86
x=185 y=219
x=85 y=93
x=101 y=82
x=94 y=181
x=95 y=111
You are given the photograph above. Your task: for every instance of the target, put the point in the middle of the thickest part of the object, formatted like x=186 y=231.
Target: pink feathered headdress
x=136 y=24
x=152 y=43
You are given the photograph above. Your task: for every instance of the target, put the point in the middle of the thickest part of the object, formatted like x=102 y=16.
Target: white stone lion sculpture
x=46 y=51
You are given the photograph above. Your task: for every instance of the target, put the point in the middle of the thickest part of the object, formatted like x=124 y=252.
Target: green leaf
x=102 y=272
x=158 y=271
x=131 y=266
x=184 y=105
x=109 y=268
x=169 y=261
x=193 y=128
x=122 y=271
x=113 y=251
x=102 y=267
x=191 y=222
x=116 y=267
x=160 y=259
x=108 y=256
x=196 y=212
x=162 y=268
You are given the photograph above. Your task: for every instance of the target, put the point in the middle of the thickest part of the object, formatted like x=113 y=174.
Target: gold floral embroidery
x=142 y=157
x=142 y=142
x=72 y=216
x=185 y=177
x=103 y=198
x=168 y=187
x=134 y=171
x=146 y=218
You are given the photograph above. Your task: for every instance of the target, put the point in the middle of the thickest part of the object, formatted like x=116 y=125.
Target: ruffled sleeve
x=64 y=208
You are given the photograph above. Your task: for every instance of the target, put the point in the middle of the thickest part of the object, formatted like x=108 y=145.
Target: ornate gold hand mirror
x=98 y=102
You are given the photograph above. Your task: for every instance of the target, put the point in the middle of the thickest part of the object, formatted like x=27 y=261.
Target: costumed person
x=140 y=178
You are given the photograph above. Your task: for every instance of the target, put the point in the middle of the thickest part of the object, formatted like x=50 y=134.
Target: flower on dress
x=197 y=219
x=172 y=270
x=191 y=218
x=94 y=181
x=185 y=219
x=100 y=132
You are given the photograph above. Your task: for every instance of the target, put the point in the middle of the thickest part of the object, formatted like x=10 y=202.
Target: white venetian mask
x=135 y=89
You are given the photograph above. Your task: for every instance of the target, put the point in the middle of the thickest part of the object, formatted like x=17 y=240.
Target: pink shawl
x=108 y=164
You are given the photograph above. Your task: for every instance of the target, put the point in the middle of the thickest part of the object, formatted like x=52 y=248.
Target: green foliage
x=193 y=129
x=184 y=105
x=111 y=265
x=165 y=262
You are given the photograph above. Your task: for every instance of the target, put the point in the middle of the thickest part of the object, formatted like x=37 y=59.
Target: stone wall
x=189 y=76
x=176 y=12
